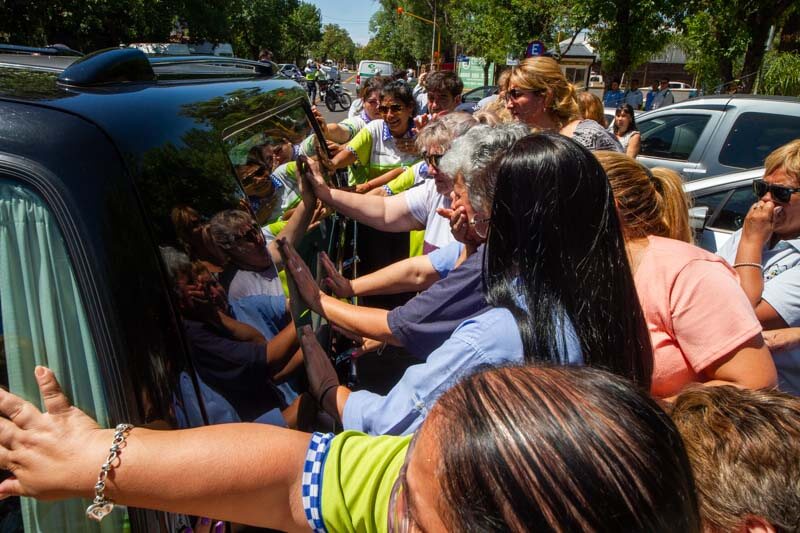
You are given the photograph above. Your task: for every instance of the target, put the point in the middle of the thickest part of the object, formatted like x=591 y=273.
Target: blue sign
x=462 y=58
x=535 y=48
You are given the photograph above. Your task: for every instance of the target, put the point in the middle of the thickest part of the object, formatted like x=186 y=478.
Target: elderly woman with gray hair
x=429 y=319
x=415 y=209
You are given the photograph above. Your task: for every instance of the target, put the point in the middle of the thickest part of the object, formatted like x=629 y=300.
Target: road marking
x=350 y=79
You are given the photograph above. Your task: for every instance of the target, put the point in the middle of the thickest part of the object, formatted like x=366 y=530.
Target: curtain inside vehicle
x=44 y=323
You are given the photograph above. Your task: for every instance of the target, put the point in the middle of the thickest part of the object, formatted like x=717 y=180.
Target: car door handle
x=694 y=170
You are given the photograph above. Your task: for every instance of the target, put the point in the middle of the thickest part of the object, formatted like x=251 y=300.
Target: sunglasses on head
x=394 y=108
x=432 y=159
x=516 y=93
x=779 y=192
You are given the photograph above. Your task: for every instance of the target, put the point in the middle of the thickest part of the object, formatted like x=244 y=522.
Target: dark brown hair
x=560 y=449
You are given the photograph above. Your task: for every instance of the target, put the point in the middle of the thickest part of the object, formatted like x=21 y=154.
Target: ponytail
x=650 y=202
x=673 y=203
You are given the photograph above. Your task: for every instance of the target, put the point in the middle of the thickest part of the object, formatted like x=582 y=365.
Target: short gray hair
x=472 y=155
x=226 y=225
x=177 y=263
x=442 y=131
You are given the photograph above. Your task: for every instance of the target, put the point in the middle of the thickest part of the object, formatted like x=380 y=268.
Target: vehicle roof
x=53 y=78
x=735 y=100
x=140 y=115
x=38 y=62
x=723 y=179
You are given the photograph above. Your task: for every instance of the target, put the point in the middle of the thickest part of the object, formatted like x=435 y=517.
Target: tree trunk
x=760 y=21
x=759 y=31
x=623 y=63
x=790 y=34
x=486 y=71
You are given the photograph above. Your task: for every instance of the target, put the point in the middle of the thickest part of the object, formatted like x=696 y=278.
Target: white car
x=720 y=205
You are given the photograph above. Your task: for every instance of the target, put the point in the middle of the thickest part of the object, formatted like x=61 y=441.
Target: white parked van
x=369 y=68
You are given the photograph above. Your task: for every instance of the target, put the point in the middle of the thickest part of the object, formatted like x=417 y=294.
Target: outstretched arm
x=296 y=227
x=411 y=274
x=382 y=213
x=248 y=473
x=364 y=321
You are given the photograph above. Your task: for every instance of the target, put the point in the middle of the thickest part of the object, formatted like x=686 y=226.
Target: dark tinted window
x=731 y=214
x=43 y=321
x=673 y=136
x=755 y=135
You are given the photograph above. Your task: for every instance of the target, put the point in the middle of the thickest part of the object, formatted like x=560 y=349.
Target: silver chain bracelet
x=101 y=505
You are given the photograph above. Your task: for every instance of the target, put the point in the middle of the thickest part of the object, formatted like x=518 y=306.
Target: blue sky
x=352 y=15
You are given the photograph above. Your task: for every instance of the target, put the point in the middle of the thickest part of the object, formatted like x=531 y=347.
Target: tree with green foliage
x=780 y=74
x=626 y=33
x=484 y=30
x=400 y=39
x=257 y=24
x=302 y=31
x=336 y=45
x=86 y=26
x=730 y=34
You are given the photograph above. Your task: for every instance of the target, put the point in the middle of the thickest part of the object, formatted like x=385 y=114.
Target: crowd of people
x=579 y=363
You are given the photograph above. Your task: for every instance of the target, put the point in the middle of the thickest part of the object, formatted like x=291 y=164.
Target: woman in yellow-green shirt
x=516 y=448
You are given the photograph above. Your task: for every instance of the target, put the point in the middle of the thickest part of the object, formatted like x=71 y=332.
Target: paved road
x=338 y=116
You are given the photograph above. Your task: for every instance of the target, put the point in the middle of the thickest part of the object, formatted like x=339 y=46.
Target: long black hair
x=555 y=253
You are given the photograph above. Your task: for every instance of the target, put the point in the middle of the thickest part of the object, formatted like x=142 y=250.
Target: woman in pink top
x=701 y=324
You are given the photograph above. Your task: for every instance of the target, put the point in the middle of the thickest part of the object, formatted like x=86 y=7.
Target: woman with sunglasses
x=510 y=449
x=381 y=145
x=408 y=210
x=538 y=95
x=452 y=273
x=626 y=131
x=363 y=111
x=766 y=254
x=701 y=325
x=547 y=277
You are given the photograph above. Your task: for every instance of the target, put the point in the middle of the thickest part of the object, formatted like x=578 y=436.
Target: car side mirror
x=698 y=217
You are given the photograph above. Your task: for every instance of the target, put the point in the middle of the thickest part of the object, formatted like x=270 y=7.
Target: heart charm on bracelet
x=98 y=511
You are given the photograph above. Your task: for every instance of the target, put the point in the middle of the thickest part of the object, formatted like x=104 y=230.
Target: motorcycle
x=333 y=94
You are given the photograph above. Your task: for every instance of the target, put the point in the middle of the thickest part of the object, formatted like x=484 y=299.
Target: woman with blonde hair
x=538 y=95
x=591 y=107
x=701 y=324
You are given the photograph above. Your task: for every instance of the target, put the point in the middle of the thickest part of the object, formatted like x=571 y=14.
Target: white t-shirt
x=422 y=202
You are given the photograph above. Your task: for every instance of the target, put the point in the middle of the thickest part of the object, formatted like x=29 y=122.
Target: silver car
x=720 y=205
x=714 y=135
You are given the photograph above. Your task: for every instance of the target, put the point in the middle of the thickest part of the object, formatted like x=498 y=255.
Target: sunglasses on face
x=779 y=192
x=515 y=93
x=252 y=235
x=432 y=159
x=373 y=101
x=394 y=108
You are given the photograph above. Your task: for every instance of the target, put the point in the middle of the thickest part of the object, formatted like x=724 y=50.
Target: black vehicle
x=109 y=164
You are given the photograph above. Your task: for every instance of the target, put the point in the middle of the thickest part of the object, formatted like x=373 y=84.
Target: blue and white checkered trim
x=312 y=479
x=386 y=134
